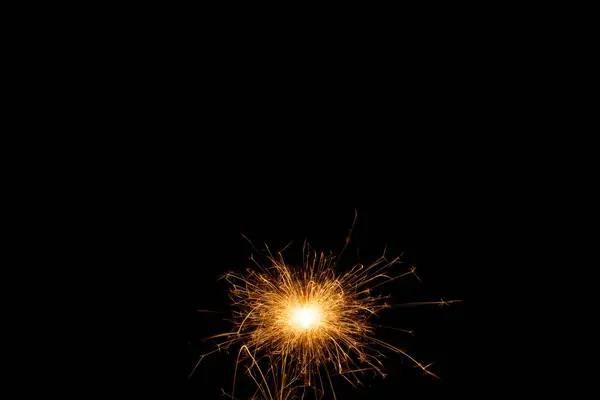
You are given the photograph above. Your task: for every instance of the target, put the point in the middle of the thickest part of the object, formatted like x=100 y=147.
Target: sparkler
x=298 y=327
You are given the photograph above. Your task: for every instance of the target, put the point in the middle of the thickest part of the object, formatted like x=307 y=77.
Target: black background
x=426 y=223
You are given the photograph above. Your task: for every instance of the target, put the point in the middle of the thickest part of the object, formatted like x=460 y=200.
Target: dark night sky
x=427 y=226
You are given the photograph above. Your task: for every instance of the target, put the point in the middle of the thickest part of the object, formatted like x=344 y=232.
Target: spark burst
x=298 y=327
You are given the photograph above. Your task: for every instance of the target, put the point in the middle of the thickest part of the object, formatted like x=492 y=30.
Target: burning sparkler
x=297 y=327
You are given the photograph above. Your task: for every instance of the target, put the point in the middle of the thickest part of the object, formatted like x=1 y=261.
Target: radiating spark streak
x=283 y=375
x=257 y=252
x=413 y=269
x=355 y=370
x=254 y=363
x=349 y=234
x=221 y=335
x=418 y=364
x=195 y=366
x=331 y=384
x=228 y=395
x=259 y=385
x=411 y=332
x=391 y=279
x=421 y=303
x=346 y=378
x=267 y=247
x=288 y=245
x=247 y=316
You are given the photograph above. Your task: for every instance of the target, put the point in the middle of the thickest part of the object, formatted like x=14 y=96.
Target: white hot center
x=305 y=317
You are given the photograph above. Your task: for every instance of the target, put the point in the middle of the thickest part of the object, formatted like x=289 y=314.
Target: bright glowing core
x=305 y=317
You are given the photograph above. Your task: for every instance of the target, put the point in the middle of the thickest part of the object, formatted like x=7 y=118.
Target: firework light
x=296 y=327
